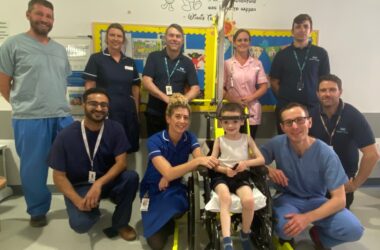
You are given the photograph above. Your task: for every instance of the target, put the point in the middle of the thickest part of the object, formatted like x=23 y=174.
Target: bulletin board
x=199 y=46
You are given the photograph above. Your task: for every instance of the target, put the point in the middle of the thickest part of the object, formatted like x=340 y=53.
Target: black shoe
x=38 y=221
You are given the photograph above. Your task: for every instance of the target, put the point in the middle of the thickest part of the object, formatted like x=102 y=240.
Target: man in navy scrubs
x=89 y=162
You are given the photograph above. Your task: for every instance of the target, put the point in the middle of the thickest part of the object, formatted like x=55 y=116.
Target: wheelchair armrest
x=260 y=171
x=203 y=171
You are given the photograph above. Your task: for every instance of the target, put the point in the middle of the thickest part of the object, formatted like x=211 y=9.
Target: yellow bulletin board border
x=200 y=105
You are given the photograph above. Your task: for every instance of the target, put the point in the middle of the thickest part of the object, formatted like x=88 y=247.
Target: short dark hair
x=231 y=107
x=175 y=26
x=301 y=18
x=45 y=3
x=94 y=91
x=332 y=78
x=241 y=31
x=116 y=26
x=293 y=105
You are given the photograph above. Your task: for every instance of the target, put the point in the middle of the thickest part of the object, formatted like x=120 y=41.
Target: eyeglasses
x=95 y=104
x=298 y=121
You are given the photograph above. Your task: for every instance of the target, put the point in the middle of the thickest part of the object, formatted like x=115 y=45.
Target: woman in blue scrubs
x=112 y=70
x=162 y=192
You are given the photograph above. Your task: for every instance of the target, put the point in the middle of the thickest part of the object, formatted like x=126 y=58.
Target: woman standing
x=164 y=196
x=117 y=74
x=244 y=78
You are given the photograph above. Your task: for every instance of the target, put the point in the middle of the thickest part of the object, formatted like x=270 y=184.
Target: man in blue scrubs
x=346 y=130
x=166 y=72
x=307 y=168
x=33 y=79
x=89 y=162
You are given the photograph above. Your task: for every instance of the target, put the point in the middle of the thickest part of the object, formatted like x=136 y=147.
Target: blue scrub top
x=314 y=173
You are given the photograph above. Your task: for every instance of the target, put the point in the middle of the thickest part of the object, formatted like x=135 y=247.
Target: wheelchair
x=262 y=222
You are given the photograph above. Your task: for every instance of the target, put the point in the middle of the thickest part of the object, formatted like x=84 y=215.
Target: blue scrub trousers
x=33 y=138
x=333 y=230
x=121 y=191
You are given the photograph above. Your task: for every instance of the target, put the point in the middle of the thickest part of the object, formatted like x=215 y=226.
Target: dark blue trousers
x=121 y=191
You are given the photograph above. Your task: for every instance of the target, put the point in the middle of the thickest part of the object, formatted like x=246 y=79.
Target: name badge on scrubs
x=91 y=176
x=169 y=90
x=144 y=204
x=128 y=67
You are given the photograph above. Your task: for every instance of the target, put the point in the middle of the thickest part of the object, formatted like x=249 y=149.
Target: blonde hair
x=177 y=100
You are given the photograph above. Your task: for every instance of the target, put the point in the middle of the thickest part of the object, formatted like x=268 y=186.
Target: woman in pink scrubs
x=244 y=78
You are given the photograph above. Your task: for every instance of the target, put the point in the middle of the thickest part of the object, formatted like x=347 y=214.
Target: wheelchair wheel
x=194 y=211
x=214 y=243
x=262 y=226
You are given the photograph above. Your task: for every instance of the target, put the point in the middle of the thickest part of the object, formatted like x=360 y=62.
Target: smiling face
x=115 y=39
x=231 y=126
x=242 y=42
x=96 y=107
x=41 y=19
x=329 y=94
x=179 y=121
x=296 y=124
x=174 y=40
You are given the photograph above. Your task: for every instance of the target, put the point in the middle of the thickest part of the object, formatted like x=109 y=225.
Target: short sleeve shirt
x=352 y=132
x=68 y=153
x=39 y=73
x=184 y=75
x=314 y=173
x=286 y=70
x=240 y=81
x=160 y=144
x=117 y=77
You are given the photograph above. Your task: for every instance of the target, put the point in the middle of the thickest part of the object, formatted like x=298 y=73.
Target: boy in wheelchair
x=232 y=175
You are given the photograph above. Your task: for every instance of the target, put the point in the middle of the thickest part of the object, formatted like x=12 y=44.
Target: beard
x=96 y=117
x=39 y=29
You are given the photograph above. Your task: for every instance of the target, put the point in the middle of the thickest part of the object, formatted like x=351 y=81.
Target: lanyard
x=167 y=69
x=304 y=62
x=84 y=136
x=336 y=125
x=300 y=84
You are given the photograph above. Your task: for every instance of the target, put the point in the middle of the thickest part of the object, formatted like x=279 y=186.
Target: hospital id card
x=91 y=176
x=144 y=204
x=169 y=90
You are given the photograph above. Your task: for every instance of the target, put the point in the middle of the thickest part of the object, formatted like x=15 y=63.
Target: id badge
x=144 y=204
x=169 y=90
x=91 y=176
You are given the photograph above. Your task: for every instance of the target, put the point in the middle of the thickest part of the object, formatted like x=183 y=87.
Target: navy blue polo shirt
x=285 y=69
x=352 y=133
x=184 y=75
x=68 y=153
x=116 y=77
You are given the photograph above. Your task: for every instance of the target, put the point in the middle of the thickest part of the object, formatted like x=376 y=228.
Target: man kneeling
x=89 y=162
x=306 y=168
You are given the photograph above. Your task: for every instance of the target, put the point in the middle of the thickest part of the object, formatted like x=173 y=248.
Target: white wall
x=348 y=29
